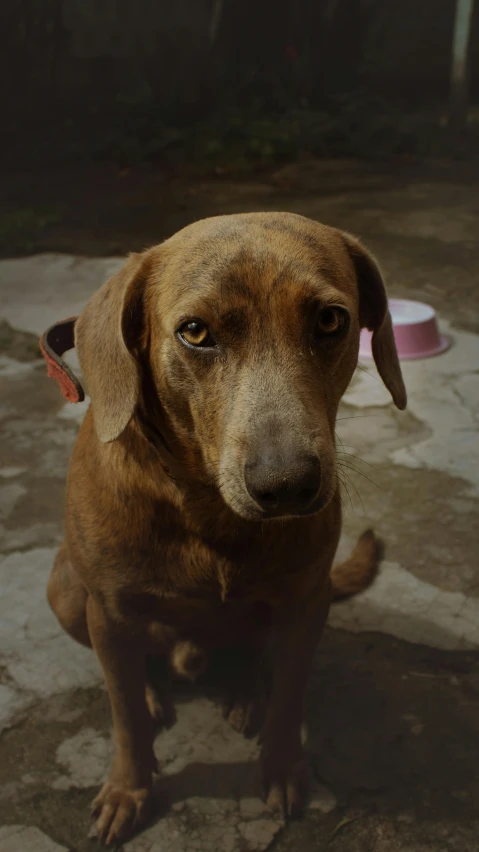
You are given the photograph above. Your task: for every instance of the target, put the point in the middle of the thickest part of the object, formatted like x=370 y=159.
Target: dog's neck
x=156 y=439
x=187 y=482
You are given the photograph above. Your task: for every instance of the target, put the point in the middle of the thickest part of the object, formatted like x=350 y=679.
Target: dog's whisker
x=357 y=417
x=343 y=485
x=358 y=459
x=372 y=376
x=345 y=466
x=353 y=485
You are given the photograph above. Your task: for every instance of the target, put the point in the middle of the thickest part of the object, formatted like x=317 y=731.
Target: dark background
x=134 y=79
x=104 y=99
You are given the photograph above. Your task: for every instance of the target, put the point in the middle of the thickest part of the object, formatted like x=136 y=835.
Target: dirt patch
x=17 y=344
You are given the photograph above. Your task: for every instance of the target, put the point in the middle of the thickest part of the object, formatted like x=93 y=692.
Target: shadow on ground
x=393 y=731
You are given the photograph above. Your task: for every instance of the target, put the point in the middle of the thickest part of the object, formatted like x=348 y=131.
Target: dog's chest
x=231 y=576
x=234 y=567
x=206 y=599
x=204 y=587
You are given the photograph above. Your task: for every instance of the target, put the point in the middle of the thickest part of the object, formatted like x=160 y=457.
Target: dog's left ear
x=107 y=336
x=374 y=315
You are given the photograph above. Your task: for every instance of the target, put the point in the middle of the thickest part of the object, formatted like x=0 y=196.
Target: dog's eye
x=196 y=333
x=331 y=320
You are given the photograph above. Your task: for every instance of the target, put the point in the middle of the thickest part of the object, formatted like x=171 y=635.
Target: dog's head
x=247 y=327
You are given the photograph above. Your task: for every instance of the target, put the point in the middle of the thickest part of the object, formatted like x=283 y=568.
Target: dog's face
x=250 y=327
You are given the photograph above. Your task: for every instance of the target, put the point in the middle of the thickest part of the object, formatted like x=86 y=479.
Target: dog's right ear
x=107 y=333
x=374 y=315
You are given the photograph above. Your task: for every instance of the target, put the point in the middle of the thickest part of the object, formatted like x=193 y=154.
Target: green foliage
x=20 y=229
x=260 y=130
x=350 y=126
x=240 y=139
x=257 y=135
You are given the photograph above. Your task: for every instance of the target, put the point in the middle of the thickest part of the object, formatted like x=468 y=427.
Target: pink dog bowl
x=415 y=331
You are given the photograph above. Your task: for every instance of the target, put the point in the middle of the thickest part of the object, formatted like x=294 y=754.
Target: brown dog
x=215 y=363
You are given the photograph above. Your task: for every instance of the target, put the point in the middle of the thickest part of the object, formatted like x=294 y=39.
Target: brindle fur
x=165 y=552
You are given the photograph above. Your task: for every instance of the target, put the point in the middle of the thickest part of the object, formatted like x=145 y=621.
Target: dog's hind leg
x=68 y=597
x=158 y=692
x=246 y=688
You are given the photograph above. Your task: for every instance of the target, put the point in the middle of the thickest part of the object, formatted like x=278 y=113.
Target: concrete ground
x=393 y=710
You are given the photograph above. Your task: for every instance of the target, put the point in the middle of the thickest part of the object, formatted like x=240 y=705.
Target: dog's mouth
x=285 y=514
x=249 y=510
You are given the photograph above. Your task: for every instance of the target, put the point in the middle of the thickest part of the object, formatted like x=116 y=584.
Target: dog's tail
x=360 y=569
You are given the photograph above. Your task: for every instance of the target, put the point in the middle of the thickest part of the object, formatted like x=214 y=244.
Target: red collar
x=56 y=340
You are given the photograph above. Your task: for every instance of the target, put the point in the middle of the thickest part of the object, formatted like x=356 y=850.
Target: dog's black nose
x=280 y=488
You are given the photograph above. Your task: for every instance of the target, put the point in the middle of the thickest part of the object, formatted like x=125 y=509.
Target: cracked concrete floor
x=393 y=711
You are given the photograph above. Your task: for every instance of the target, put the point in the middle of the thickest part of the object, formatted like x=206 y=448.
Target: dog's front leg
x=285 y=771
x=123 y=803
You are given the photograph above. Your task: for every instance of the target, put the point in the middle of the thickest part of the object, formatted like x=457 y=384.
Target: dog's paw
x=161 y=709
x=245 y=716
x=117 y=812
x=285 y=782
